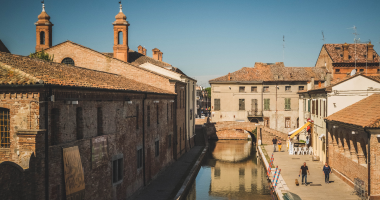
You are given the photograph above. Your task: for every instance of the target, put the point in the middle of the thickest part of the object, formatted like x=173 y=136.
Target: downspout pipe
x=47 y=142
x=143 y=135
x=369 y=161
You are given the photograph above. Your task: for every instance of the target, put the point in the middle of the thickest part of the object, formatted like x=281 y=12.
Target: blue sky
x=204 y=38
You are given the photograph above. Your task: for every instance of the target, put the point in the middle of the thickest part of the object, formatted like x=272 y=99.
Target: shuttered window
x=287 y=103
x=216 y=104
x=316 y=107
x=254 y=105
x=266 y=104
x=241 y=104
x=308 y=105
x=313 y=107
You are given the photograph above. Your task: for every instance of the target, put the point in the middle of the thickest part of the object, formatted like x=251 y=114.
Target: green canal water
x=230 y=170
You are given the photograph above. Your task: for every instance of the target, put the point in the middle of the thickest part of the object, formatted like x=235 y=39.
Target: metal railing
x=254 y=113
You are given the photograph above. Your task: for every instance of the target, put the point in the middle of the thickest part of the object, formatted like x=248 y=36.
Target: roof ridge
x=22 y=73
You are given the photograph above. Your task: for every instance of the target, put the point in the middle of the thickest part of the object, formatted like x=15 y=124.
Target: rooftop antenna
x=323 y=38
x=283 y=48
x=356 y=41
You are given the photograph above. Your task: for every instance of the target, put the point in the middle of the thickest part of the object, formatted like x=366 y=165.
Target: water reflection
x=230 y=170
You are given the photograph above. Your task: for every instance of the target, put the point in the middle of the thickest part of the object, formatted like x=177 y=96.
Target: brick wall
x=87 y=58
x=181 y=118
x=119 y=125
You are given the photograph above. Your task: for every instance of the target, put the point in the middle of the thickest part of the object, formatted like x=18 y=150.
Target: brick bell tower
x=120 y=31
x=43 y=30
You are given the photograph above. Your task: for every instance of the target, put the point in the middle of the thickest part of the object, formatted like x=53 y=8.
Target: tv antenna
x=323 y=38
x=283 y=48
x=355 y=40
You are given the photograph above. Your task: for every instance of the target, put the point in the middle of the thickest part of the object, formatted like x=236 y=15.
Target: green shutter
x=266 y=104
x=287 y=103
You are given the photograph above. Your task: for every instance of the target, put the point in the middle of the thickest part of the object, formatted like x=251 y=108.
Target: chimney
x=345 y=52
x=229 y=76
x=370 y=52
x=141 y=50
x=157 y=54
x=312 y=83
x=328 y=79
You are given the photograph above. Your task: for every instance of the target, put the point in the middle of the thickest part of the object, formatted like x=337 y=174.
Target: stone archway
x=11 y=181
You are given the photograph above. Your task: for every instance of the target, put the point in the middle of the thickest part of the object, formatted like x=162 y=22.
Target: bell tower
x=43 y=30
x=120 y=31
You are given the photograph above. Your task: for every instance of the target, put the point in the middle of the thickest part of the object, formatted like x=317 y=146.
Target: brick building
x=354 y=144
x=122 y=130
x=265 y=94
x=130 y=64
x=339 y=59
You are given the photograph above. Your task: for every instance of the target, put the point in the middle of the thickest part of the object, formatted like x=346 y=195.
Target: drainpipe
x=369 y=162
x=143 y=136
x=47 y=143
x=276 y=106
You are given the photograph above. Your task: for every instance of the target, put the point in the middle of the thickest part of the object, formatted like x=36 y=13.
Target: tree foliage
x=42 y=55
x=208 y=89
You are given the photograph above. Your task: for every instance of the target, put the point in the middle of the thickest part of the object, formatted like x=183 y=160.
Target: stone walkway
x=290 y=166
x=167 y=184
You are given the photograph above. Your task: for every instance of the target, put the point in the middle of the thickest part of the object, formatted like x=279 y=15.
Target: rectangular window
x=117 y=169
x=5 y=127
x=254 y=105
x=137 y=116
x=217 y=172
x=308 y=105
x=191 y=114
x=148 y=116
x=157 y=148
x=325 y=108
x=313 y=107
x=301 y=87
x=167 y=111
x=304 y=105
x=266 y=122
x=266 y=89
x=79 y=122
x=287 y=122
x=241 y=104
x=54 y=126
x=288 y=88
x=287 y=104
x=266 y=104
x=316 y=107
x=216 y=104
x=139 y=158
x=157 y=113
x=361 y=70
x=253 y=89
x=99 y=117
x=337 y=70
x=169 y=141
x=242 y=89
x=320 y=107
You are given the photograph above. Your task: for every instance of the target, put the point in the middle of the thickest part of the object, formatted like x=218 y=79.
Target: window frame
x=5 y=135
x=266 y=89
x=71 y=61
x=253 y=88
x=120 y=40
x=299 y=88
x=287 y=125
x=241 y=89
x=288 y=105
x=216 y=104
x=117 y=167
x=241 y=104
x=288 y=88
x=266 y=104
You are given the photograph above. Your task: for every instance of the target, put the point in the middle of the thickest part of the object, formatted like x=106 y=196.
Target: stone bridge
x=229 y=130
x=265 y=135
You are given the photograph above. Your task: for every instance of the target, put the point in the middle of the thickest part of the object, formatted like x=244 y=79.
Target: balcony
x=254 y=113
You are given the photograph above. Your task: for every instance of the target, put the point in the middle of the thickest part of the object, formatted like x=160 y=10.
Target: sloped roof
x=21 y=70
x=364 y=113
x=335 y=52
x=3 y=48
x=274 y=72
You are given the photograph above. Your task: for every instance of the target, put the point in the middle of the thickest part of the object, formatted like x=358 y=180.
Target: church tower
x=43 y=30
x=120 y=31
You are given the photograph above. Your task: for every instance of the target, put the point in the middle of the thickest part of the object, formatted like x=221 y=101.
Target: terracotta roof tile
x=364 y=113
x=274 y=72
x=336 y=53
x=22 y=70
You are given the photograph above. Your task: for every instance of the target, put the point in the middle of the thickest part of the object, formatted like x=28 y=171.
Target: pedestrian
x=303 y=170
x=279 y=145
x=274 y=143
x=327 y=170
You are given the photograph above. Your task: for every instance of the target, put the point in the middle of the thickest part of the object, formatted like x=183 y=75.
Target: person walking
x=274 y=143
x=327 y=170
x=303 y=170
x=279 y=145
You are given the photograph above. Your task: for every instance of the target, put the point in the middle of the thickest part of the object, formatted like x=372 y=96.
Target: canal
x=230 y=170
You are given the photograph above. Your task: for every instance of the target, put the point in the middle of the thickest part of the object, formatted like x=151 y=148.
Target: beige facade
x=281 y=112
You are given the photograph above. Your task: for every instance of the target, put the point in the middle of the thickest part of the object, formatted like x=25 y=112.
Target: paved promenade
x=290 y=168
x=167 y=184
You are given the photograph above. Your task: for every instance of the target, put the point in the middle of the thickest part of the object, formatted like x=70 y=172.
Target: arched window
x=42 y=37
x=68 y=61
x=4 y=128
x=120 y=38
